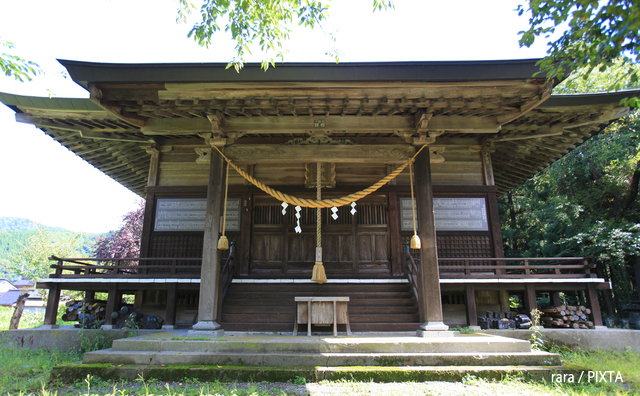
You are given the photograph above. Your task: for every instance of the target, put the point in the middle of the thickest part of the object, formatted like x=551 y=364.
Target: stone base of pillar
x=49 y=327
x=206 y=333
x=106 y=327
x=434 y=334
x=168 y=327
x=434 y=329
x=600 y=327
x=208 y=328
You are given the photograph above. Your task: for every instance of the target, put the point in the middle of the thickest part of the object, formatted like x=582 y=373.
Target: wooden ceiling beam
x=255 y=125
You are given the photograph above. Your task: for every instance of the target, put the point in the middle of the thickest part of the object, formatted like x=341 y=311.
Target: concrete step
x=78 y=372
x=180 y=341
x=305 y=359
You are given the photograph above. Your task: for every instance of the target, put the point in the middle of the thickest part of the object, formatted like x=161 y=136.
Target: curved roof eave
x=85 y=73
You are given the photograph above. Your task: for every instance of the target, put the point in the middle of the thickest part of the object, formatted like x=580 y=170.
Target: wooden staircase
x=270 y=307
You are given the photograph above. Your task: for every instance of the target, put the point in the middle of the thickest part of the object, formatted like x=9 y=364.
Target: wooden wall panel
x=183 y=174
x=354 y=173
x=280 y=174
x=301 y=248
x=461 y=167
x=266 y=252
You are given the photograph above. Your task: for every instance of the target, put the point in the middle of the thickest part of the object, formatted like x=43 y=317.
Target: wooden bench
x=322 y=311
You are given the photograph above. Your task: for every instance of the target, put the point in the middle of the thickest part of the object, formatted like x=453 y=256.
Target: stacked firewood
x=566 y=316
x=89 y=313
x=76 y=309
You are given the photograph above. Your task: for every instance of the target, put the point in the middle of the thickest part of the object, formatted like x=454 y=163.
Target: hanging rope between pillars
x=327 y=203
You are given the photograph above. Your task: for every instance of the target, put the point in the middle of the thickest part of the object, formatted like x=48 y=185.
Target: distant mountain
x=21 y=224
x=15 y=232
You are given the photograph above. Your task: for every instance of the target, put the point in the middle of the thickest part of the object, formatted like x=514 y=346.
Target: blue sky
x=42 y=181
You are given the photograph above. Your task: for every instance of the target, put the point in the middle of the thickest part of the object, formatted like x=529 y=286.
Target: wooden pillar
x=592 y=300
x=472 y=312
x=149 y=206
x=431 y=305
x=505 y=305
x=170 y=313
x=394 y=234
x=210 y=272
x=51 y=313
x=494 y=221
x=245 y=237
x=112 y=301
x=530 y=302
x=555 y=299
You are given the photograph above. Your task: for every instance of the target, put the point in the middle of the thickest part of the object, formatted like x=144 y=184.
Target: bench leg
x=335 y=320
x=309 y=319
x=348 y=326
x=295 y=327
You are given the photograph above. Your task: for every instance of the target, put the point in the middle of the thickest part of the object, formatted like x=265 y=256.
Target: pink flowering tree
x=125 y=242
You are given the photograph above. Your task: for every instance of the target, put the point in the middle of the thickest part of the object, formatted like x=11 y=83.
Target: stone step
x=290 y=309
x=322 y=359
x=278 y=301
x=78 y=372
x=272 y=344
x=288 y=327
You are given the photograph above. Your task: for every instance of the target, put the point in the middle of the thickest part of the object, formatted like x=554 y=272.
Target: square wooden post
x=51 y=313
x=472 y=312
x=394 y=234
x=210 y=272
x=431 y=305
x=112 y=301
x=170 y=313
x=592 y=298
x=530 y=302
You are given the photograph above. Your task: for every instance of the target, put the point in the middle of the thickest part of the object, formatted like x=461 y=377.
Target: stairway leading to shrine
x=270 y=307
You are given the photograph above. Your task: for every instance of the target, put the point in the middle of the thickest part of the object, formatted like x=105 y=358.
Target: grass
x=27 y=321
x=25 y=371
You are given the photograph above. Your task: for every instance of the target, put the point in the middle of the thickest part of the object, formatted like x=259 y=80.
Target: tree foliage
x=14 y=66
x=124 y=242
x=597 y=33
x=266 y=23
x=32 y=262
x=584 y=204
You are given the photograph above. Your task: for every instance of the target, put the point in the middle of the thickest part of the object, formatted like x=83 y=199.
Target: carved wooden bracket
x=327 y=175
x=436 y=155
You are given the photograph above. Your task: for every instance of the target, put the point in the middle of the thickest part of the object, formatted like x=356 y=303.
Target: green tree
x=14 y=66
x=266 y=23
x=33 y=261
x=586 y=202
x=597 y=34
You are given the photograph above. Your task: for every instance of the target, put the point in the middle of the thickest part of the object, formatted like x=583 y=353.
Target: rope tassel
x=318 y=269
x=223 y=242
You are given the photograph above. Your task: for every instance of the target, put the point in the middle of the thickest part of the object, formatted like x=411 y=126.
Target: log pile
x=567 y=317
x=90 y=314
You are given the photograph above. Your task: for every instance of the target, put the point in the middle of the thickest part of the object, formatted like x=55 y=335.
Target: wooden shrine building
x=473 y=129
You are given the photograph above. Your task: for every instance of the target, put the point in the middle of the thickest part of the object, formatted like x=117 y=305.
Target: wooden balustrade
x=413 y=275
x=125 y=268
x=521 y=267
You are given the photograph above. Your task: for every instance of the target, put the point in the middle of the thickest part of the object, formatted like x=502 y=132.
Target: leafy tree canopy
x=124 y=242
x=13 y=65
x=586 y=202
x=33 y=261
x=597 y=34
x=266 y=23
